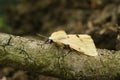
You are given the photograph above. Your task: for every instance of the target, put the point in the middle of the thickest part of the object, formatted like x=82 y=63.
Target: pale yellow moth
x=82 y=43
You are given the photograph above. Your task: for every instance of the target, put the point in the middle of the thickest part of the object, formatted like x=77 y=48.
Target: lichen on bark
x=47 y=59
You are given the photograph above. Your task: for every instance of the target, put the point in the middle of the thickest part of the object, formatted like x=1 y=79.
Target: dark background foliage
x=99 y=18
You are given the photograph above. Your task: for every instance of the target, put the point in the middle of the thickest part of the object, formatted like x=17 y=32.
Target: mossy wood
x=37 y=56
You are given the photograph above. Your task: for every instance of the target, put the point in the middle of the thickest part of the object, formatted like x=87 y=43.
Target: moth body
x=80 y=43
x=56 y=36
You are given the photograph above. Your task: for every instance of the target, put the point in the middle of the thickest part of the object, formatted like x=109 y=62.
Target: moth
x=82 y=43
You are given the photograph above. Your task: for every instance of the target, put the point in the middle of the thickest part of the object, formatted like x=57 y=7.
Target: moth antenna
x=47 y=39
x=42 y=36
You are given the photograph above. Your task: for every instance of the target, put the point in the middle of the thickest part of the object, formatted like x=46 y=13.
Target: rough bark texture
x=44 y=58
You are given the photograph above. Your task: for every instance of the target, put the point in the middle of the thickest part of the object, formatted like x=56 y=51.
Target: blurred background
x=98 y=18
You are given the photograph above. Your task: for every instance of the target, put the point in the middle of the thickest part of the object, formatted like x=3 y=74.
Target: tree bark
x=44 y=58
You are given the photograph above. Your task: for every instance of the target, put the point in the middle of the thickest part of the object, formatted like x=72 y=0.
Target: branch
x=44 y=58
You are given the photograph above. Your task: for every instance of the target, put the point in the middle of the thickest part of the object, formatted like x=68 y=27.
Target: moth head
x=58 y=35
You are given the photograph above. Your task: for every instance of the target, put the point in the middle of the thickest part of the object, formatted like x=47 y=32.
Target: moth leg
x=77 y=35
x=44 y=42
x=56 y=46
x=68 y=48
x=48 y=41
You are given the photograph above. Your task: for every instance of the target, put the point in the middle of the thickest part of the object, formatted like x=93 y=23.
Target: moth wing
x=74 y=43
x=81 y=43
x=88 y=45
